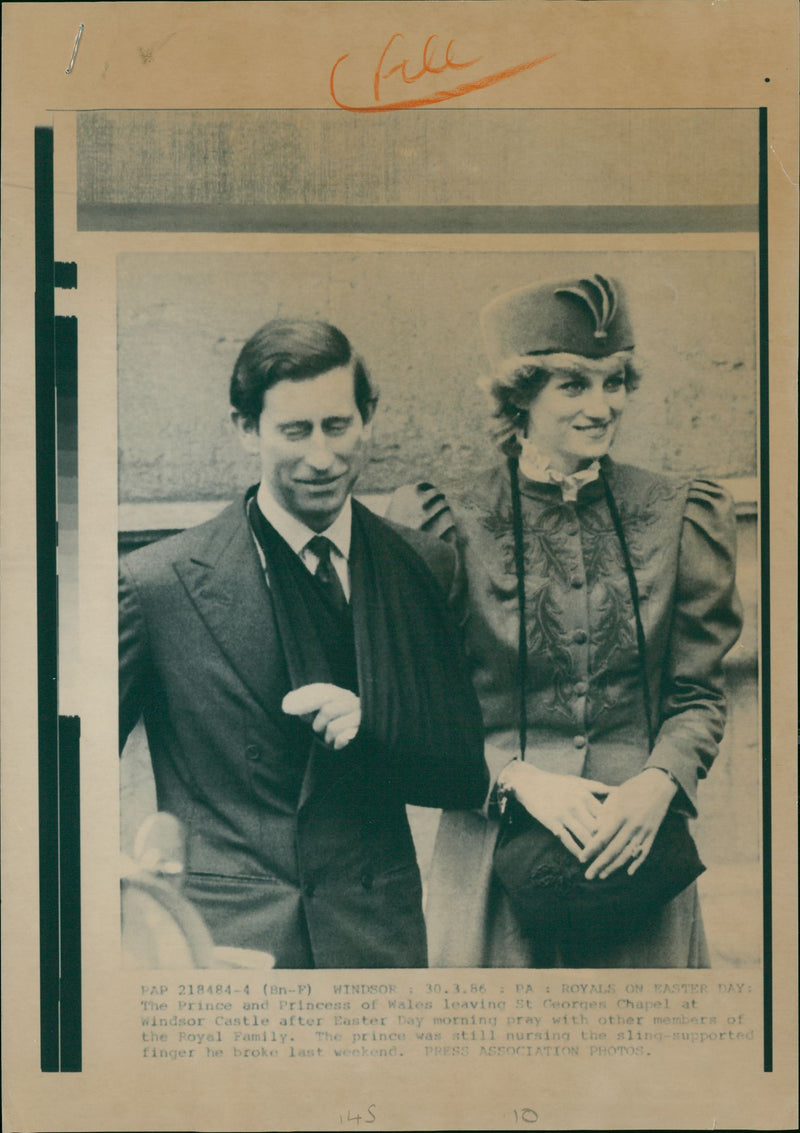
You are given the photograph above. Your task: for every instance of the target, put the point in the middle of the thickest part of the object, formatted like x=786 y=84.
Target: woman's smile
x=574 y=418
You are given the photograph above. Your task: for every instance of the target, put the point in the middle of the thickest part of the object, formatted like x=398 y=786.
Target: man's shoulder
x=432 y=549
x=439 y=556
x=200 y=540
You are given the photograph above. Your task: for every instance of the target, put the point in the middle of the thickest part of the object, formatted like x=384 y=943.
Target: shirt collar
x=296 y=533
x=534 y=465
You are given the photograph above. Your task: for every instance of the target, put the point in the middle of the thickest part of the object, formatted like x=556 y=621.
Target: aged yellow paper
x=391 y=168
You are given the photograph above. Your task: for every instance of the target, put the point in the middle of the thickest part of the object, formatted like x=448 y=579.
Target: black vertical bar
x=66 y=361
x=70 y=872
x=47 y=605
x=766 y=724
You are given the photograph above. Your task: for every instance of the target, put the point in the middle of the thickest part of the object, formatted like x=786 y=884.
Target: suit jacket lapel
x=224 y=580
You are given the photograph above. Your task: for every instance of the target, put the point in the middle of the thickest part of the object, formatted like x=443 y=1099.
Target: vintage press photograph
x=397 y=405
x=438 y=609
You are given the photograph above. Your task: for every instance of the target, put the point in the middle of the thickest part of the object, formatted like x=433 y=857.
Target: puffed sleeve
x=134 y=655
x=423 y=507
x=706 y=621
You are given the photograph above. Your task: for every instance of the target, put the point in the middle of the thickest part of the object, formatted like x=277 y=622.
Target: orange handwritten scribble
x=428 y=68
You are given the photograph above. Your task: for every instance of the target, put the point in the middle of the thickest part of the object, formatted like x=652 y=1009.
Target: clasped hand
x=607 y=827
x=334 y=713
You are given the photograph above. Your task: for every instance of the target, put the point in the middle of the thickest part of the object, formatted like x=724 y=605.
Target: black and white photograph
x=399 y=565
x=545 y=433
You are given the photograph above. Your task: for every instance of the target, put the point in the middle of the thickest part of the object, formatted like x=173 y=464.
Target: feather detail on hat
x=602 y=312
x=609 y=293
x=587 y=316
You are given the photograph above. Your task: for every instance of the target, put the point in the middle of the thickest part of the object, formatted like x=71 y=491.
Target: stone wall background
x=414 y=317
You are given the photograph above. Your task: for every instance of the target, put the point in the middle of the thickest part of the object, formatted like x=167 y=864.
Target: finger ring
x=637 y=851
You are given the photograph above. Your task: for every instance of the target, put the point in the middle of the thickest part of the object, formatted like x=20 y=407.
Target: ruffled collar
x=534 y=465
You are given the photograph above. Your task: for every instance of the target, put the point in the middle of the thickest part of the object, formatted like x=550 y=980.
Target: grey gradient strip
x=416 y=218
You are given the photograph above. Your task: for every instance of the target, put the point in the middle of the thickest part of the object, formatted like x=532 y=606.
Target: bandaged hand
x=334 y=713
x=628 y=823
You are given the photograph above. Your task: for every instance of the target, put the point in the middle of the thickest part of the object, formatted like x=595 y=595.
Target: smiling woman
x=602 y=603
x=564 y=405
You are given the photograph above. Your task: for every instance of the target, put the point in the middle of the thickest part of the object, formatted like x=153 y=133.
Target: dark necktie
x=326 y=573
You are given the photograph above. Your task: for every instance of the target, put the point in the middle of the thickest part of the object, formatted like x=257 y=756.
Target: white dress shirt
x=294 y=532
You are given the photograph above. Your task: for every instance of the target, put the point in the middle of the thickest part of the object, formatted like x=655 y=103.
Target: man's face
x=312 y=443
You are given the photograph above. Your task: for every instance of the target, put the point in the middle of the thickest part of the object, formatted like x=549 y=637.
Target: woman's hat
x=586 y=316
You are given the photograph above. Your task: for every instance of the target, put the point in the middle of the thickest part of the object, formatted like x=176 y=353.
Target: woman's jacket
x=585 y=707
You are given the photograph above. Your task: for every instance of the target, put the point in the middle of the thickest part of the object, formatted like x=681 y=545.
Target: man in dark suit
x=298 y=666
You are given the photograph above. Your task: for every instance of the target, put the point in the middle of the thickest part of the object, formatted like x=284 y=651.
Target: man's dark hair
x=295 y=349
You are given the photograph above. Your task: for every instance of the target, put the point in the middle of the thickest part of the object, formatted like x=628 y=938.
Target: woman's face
x=573 y=419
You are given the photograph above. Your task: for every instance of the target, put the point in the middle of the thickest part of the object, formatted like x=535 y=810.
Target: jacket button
x=581 y=688
x=252 y=751
x=573 y=529
x=579 y=742
x=309 y=889
x=580 y=637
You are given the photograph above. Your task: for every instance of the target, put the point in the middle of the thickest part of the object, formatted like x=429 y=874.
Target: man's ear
x=247 y=430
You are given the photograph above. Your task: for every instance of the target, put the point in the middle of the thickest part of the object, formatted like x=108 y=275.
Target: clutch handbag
x=553 y=901
x=549 y=894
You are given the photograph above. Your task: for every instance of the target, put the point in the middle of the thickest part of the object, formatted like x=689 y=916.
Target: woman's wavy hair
x=515 y=385
x=295 y=349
